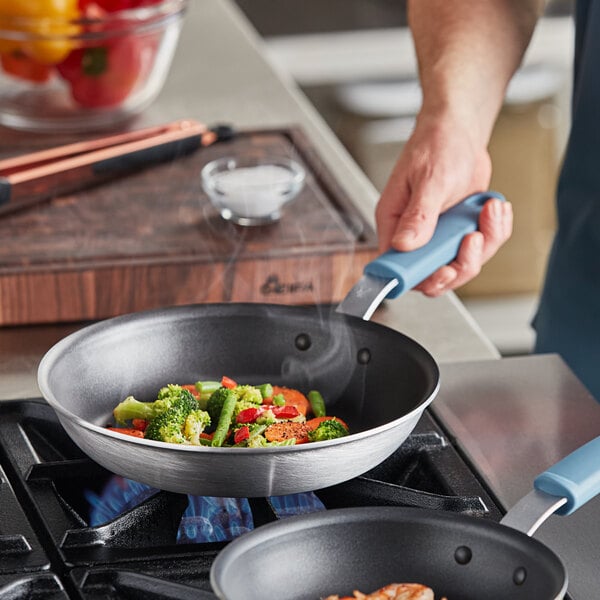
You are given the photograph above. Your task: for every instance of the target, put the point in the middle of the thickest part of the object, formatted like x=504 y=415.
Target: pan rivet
x=363 y=357
x=303 y=341
x=463 y=555
x=520 y=575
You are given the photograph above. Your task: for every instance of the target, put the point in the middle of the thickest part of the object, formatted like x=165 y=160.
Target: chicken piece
x=394 y=591
x=399 y=591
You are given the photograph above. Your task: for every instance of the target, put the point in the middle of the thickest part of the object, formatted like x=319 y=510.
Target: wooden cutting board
x=152 y=239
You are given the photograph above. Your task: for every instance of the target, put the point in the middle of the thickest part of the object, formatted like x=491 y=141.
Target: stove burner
x=206 y=518
x=70 y=530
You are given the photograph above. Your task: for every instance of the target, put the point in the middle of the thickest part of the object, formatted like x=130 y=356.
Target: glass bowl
x=252 y=190
x=81 y=65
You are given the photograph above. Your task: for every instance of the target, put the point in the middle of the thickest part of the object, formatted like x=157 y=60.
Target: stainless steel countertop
x=221 y=74
x=514 y=418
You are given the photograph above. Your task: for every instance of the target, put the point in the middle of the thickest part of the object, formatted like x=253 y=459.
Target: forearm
x=467 y=51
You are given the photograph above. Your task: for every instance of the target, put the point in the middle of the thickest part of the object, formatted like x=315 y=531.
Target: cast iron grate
x=51 y=547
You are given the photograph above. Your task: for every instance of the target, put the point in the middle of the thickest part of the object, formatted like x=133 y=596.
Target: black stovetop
x=53 y=545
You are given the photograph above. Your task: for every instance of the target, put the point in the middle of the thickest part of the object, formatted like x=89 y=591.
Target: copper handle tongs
x=41 y=175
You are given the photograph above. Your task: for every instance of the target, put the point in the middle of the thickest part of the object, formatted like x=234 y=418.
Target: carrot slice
x=293 y=398
x=128 y=431
x=279 y=432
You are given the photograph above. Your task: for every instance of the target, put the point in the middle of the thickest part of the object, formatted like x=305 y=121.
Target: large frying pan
x=376 y=379
x=459 y=557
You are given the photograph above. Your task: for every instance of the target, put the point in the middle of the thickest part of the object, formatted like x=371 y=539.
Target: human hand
x=440 y=165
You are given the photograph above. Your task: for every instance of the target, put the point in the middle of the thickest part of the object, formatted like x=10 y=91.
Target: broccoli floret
x=248 y=393
x=215 y=403
x=168 y=425
x=257 y=441
x=267 y=418
x=327 y=430
x=195 y=423
x=131 y=408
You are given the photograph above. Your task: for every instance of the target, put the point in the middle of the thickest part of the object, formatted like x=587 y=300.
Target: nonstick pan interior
x=338 y=551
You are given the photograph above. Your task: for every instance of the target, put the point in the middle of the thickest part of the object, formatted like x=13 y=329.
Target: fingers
x=495 y=227
x=407 y=222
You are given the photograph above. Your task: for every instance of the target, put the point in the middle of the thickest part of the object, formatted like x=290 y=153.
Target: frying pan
x=463 y=558
x=376 y=379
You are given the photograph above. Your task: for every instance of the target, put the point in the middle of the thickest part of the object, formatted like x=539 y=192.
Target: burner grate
x=69 y=529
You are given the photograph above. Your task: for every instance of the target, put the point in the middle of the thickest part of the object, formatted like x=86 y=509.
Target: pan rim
x=60 y=347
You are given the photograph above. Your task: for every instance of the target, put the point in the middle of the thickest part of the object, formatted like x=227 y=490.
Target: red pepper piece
x=227 y=382
x=243 y=433
x=139 y=424
x=285 y=412
x=249 y=415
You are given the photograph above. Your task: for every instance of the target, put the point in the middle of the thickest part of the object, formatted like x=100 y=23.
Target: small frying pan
x=376 y=379
x=459 y=557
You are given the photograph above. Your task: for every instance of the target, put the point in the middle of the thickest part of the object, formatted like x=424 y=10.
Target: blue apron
x=568 y=317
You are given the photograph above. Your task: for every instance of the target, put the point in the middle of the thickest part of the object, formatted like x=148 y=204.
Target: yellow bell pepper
x=41 y=29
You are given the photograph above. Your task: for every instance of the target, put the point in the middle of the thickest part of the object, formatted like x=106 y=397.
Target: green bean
x=266 y=390
x=317 y=403
x=207 y=387
x=224 y=419
x=279 y=400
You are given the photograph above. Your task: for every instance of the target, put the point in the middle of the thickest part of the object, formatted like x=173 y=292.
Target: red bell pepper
x=249 y=415
x=139 y=424
x=116 y=5
x=243 y=433
x=227 y=382
x=18 y=64
x=285 y=412
x=104 y=75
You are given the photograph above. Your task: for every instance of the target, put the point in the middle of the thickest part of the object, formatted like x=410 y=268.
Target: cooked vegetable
x=287 y=430
x=225 y=417
x=228 y=382
x=128 y=431
x=317 y=404
x=195 y=424
x=266 y=390
x=206 y=388
x=329 y=429
x=215 y=403
x=131 y=408
x=241 y=415
x=169 y=426
x=294 y=398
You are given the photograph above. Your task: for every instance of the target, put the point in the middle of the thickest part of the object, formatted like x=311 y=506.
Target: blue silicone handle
x=410 y=268
x=576 y=477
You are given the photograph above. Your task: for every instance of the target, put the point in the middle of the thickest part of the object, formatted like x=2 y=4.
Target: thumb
x=418 y=221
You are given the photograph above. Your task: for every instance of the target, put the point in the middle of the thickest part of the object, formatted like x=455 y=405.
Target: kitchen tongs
x=38 y=176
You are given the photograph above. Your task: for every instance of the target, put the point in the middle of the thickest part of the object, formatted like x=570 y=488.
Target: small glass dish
x=252 y=190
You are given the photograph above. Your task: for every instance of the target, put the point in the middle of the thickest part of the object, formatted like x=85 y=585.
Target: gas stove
x=69 y=529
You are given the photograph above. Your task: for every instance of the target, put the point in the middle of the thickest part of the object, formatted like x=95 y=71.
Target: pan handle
x=562 y=489
x=576 y=477
x=410 y=268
